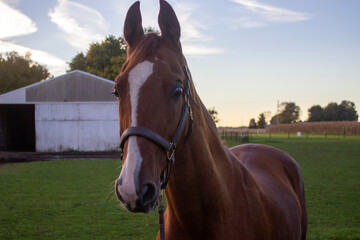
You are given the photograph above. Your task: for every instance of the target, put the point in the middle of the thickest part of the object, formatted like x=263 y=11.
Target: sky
x=244 y=55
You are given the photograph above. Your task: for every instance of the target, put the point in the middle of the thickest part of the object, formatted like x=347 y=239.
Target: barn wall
x=76 y=126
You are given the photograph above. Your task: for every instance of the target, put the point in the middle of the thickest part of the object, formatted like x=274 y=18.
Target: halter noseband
x=168 y=147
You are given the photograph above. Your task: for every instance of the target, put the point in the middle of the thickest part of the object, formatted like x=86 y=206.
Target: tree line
x=345 y=111
x=103 y=59
x=290 y=113
x=17 y=71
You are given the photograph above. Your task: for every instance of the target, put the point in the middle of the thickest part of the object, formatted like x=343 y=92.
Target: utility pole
x=277 y=113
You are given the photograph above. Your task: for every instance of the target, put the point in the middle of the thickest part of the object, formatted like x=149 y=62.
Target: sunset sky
x=244 y=55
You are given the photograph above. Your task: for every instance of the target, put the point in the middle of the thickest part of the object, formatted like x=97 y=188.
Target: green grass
x=74 y=199
x=71 y=199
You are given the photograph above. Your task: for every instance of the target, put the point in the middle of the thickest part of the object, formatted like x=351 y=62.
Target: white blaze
x=130 y=172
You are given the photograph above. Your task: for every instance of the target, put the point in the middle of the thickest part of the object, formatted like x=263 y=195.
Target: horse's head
x=152 y=92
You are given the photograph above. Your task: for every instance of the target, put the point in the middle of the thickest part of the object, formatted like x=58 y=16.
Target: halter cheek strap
x=168 y=147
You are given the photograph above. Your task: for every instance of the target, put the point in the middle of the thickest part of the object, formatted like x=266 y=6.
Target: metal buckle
x=121 y=154
x=187 y=98
x=170 y=154
x=190 y=111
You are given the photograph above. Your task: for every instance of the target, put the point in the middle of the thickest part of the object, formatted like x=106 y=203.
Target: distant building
x=72 y=112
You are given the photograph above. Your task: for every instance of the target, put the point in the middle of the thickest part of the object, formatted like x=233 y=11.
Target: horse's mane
x=144 y=49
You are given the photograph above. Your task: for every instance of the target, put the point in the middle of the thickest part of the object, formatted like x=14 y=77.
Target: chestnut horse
x=250 y=191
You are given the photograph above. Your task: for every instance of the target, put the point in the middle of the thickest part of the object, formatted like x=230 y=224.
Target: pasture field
x=74 y=199
x=71 y=199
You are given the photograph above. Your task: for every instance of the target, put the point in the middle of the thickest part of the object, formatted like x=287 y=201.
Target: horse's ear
x=169 y=24
x=133 y=30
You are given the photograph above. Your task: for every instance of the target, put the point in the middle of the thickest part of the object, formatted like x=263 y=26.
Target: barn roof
x=75 y=86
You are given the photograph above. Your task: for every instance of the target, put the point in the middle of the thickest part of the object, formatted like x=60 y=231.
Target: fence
x=304 y=130
x=239 y=134
x=236 y=136
x=247 y=136
x=336 y=128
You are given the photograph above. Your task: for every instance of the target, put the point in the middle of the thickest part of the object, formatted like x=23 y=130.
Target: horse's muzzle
x=146 y=198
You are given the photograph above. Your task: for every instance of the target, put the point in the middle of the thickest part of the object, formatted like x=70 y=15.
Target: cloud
x=55 y=65
x=18 y=24
x=260 y=15
x=195 y=43
x=14 y=23
x=80 y=24
x=200 y=50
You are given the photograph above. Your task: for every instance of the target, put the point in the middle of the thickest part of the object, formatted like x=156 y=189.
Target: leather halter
x=168 y=147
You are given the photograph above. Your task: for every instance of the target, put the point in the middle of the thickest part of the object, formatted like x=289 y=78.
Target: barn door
x=17 y=127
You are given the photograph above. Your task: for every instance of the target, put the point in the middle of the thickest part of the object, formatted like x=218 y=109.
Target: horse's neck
x=201 y=176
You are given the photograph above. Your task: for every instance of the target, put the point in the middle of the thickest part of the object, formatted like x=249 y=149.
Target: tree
x=78 y=62
x=18 y=71
x=151 y=30
x=261 y=121
x=214 y=114
x=290 y=112
x=331 y=112
x=316 y=114
x=347 y=111
x=104 y=59
x=252 y=123
x=274 y=120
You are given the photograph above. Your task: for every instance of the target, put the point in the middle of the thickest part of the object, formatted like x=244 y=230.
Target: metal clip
x=190 y=111
x=121 y=154
x=170 y=154
x=186 y=97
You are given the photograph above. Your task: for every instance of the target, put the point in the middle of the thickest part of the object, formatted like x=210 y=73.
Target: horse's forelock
x=142 y=51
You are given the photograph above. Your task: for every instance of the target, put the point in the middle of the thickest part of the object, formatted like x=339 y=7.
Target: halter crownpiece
x=168 y=147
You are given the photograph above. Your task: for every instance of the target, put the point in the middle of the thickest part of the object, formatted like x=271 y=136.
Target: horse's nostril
x=119 y=181
x=117 y=190
x=147 y=194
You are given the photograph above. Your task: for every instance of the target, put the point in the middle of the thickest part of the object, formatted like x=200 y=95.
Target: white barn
x=72 y=112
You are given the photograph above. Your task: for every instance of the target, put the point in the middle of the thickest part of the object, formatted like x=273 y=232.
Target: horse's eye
x=115 y=92
x=178 y=92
